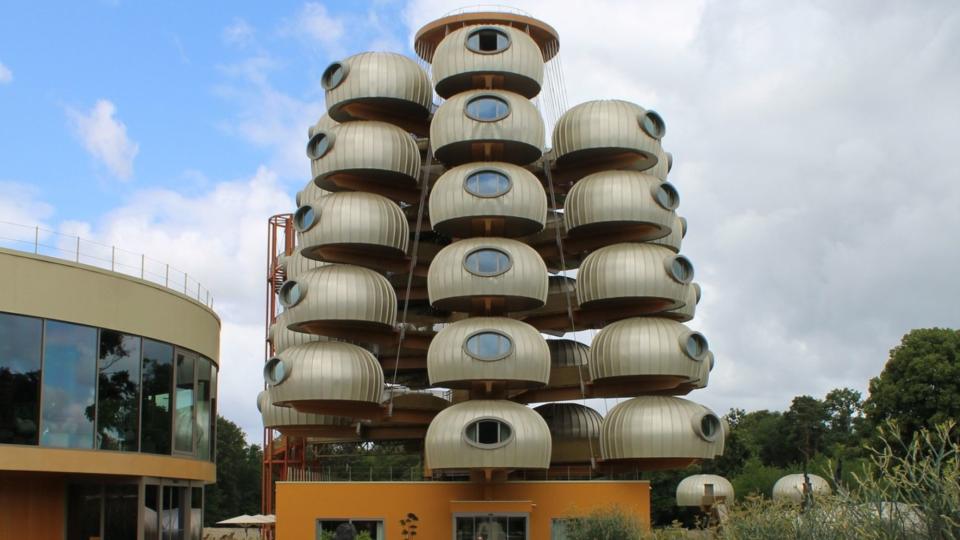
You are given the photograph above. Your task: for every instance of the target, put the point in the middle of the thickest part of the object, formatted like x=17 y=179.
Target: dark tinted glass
x=69 y=385
x=151 y=511
x=213 y=413
x=487 y=183
x=157 y=385
x=120 y=512
x=173 y=518
x=487 y=262
x=487 y=108
x=204 y=407
x=488 y=40
x=118 y=393
x=184 y=402
x=488 y=346
x=83 y=511
x=20 y=342
x=196 y=513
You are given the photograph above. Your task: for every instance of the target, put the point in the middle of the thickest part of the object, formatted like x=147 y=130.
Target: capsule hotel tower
x=439 y=283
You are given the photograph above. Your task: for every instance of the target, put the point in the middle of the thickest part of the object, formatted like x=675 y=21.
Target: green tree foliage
x=805 y=427
x=845 y=411
x=608 y=524
x=237 y=490
x=920 y=384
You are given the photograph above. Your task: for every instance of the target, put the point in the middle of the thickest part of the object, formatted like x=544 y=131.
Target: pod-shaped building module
x=575 y=432
x=487 y=56
x=487 y=125
x=689 y=308
x=293 y=423
x=488 y=199
x=376 y=86
x=487 y=434
x=702 y=490
x=791 y=487
x=296 y=264
x=283 y=338
x=552 y=318
x=678 y=229
x=619 y=133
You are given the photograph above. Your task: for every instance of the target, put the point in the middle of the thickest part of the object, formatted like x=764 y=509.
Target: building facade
x=436 y=281
x=108 y=388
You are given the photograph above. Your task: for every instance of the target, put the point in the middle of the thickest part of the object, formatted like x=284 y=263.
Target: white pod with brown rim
x=376 y=86
x=488 y=199
x=673 y=240
x=330 y=378
x=296 y=264
x=660 y=432
x=283 y=338
x=487 y=125
x=616 y=133
x=689 y=309
x=487 y=56
x=552 y=318
x=293 y=423
x=704 y=490
x=488 y=276
x=791 y=487
x=574 y=430
x=637 y=355
x=487 y=435
x=500 y=352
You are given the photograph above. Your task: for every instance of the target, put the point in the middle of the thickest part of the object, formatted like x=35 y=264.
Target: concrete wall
x=32 y=506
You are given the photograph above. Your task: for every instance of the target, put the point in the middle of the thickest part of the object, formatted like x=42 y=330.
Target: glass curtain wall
x=157 y=387
x=184 y=402
x=69 y=387
x=20 y=341
x=118 y=391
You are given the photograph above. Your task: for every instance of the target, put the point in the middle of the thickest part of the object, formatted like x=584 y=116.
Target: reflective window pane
x=487 y=108
x=204 y=403
x=20 y=343
x=196 y=514
x=118 y=393
x=157 y=387
x=184 y=402
x=173 y=518
x=487 y=183
x=69 y=385
x=488 y=346
x=213 y=412
x=83 y=511
x=151 y=512
x=487 y=262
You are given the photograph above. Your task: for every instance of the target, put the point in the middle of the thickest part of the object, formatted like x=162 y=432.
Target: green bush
x=607 y=524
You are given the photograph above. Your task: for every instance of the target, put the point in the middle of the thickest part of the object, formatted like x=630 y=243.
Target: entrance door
x=490 y=527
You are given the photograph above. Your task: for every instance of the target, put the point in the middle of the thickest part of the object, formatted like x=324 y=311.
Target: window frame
x=488 y=331
x=482 y=170
x=478 y=249
x=478 y=97
x=492 y=446
x=477 y=31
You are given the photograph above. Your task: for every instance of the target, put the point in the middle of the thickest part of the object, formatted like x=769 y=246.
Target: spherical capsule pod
x=575 y=432
x=487 y=56
x=353 y=228
x=487 y=125
x=553 y=318
x=689 y=309
x=365 y=156
x=293 y=423
x=282 y=338
x=487 y=275
x=504 y=352
x=663 y=167
x=377 y=86
x=641 y=354
x=792 y=487
x=340 y=301
x=488 y=199
x=487 y=434
x=408 y=407
x=627 y=280
x=325 y=122
x=326 y=378
x=617 y=134
x=309 y=194
x=660 y=432
x=678 y=229
x=296 y=264
x=618 y=206
x=704 y=490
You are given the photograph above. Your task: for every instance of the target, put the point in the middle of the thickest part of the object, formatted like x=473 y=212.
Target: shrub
x=607 y=524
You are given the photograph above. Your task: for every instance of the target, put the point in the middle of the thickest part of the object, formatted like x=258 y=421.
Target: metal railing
x=41 y=241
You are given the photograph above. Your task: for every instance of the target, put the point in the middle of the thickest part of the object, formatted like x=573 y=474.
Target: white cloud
x=6 y=76
x=105 y=137
x=238 y=33
x=315 y=23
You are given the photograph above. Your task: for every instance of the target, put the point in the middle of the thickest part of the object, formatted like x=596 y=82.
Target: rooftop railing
x=41 y=241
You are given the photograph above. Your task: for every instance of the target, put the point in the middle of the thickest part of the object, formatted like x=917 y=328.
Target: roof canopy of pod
x=486 y=275
x=663 y=167
x=289 y=421
x=487 y=125
x=428 y=38
x=488 y=349
x=689 y=309
x=631 y=279
x=641 y=354
x=620 y=133
x=620 y=206
x=488 y=199
x=296 y=264
x=487 y=56
x=352 y=227
x=310 y=193
x=552 y=317
x=339 y=300
x=575 y=432
x=660 y=432
x=678 y=229
x=487 y=434
x=364 y=156
x=326 y=378
x=790 y=488
x=283 y=338
x=376 y=85
x=693 y=490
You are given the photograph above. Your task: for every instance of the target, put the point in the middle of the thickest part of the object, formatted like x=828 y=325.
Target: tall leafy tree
x=237 y=490
x=845 y=411
x=805 y=425
x=920 y=384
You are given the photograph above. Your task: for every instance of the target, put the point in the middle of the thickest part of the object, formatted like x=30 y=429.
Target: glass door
x=490 y=527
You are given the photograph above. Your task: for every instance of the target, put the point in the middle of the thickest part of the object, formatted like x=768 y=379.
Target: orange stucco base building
x=301 y=506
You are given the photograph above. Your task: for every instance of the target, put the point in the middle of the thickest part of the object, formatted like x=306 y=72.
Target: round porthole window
x=487 y=262
x=487 y=109
x=488 y=433
x=275 y=371
x=708 y=427
x=319 y=145
x=488 y=345
x=694 y=345
x=666 y=196
x=487 y=183
x=680 y=269
x=304 y=218
x=488 y=41
x=291 y=293
x=333 y=75
x=653 y=125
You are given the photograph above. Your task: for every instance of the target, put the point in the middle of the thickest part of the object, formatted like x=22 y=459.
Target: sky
x=814 y=149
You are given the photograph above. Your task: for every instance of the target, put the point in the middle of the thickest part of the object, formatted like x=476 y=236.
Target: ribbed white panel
x=288 y=417
x=691 y=490
x=655 y=427
x=615 y=196
x=568 y=353
x=642 y=346
x=282 y=338
x=677 y=231
x=625 y=271
x=296 y=264
x=571 y=420
x=352 y=217
x=603 y=124
x=691 y=298
x=790 y=487
x=325 y=122
x=520 y=65
x=340 y=292
x=374 y=76
x=367 y=146
x=329 y=371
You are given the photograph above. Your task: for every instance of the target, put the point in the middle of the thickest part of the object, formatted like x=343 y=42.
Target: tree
x=845 y=411
x=805 y=425
x=919 y=386
x=237 y=490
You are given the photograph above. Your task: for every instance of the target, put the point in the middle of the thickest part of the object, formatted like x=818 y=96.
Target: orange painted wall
x=300 y=504
x=32 y=506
